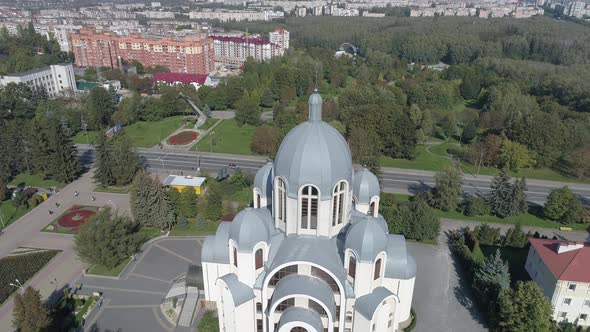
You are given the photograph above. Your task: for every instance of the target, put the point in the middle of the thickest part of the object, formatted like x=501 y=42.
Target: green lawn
x=113 y=189
x=209 y=123
x=228 y=137
x=194 y=229
x=34 y=180
x=85 y=137
x=103 y=271
x=148 y=134
x=9 y=213
x=424 y=161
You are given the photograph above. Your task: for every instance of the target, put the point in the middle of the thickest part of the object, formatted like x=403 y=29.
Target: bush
x=475 y=206
x=387 y=199
x=487 y=235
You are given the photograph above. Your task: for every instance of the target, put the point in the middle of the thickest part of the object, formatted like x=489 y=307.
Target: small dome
x=366 y=186
x=250 y=227
x=313 y=153
x=367 y=239
x=263 y=179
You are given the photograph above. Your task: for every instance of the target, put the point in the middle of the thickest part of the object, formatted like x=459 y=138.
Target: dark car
x=233 y=166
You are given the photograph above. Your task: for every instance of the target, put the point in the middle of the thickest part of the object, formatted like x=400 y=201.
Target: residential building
x=236 y=15
x=57 y=80
x=562 y=270
x=313 y=253
x=60 y=32
x=279 y=37
x=233 y=51
x=193 y=54
x=196 y=80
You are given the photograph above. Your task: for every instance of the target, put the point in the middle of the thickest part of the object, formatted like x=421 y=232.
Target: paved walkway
x=65 y=268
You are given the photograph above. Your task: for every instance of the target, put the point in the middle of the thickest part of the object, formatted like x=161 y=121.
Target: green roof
x=85 y=85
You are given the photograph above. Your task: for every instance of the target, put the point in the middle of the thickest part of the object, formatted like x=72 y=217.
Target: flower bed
x=182 y=138
x=75 y=217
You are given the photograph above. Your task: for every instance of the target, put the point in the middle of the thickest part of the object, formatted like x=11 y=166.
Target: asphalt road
x=393 y=179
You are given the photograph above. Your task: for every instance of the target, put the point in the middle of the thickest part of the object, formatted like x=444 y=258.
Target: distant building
x=180 y=182
x=57 y=80
x=280 y=37
x=562 y=270
x=301 y=11
x=193 y=54
x=236 y=15
x=233 y=51
x=196 y=80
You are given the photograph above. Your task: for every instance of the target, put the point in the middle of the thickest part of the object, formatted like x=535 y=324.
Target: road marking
x=124 y=290
x=175 y=254
x=150 y=278
x=132 y=306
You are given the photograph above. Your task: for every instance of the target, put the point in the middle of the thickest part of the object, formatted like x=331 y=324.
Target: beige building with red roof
x=562 y=270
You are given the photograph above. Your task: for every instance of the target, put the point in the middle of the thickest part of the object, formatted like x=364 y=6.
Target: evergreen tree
x=126 y=161
x=446 y=194
x=188 y=202
x=100 y=107
x=515 y=237
x=38 y=145
x=519 y=198
x=182 y=222
x=490 y=278
x=30 y=314
x=3 y=189
x=213 y=204
x=64 y=163
x=477 y=255
x=165 y=216
x=107 y=239
x=139 y=198
x=525 y=308
x=103 y=173
x=500 y=197
x=151 y=205
x=207 y=110
x=247 y=111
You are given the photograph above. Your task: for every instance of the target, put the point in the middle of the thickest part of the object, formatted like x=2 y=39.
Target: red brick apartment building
x=96 y=48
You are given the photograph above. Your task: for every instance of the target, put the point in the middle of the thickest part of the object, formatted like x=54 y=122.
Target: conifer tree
x=491 y=277
x=519 y=197
x=103 y=172
x=30 y=313
x=139 y=197
x=151 y=205
x=213 y=204
x=525 y=308
x=64 y=163
x=38 y=145
x=188 y=202
x=500 y=197
x=3 y=189
x=126 y=161
x=164 y=216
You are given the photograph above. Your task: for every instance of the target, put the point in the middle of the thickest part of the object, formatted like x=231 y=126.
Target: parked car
x=233 y=166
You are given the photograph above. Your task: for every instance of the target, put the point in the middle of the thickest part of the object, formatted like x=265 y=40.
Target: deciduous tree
x=266 y=140
x=525 y=308
x=30 y=313
x=563 y=205
x=516 y=156
x=447 y=191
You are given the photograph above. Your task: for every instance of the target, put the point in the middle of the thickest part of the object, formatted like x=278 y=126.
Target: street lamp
x=17 y=285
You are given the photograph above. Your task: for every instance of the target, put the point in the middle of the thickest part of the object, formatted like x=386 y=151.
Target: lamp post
x=17 y=285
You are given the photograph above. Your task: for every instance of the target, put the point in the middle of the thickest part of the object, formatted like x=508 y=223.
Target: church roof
x=400 y=264
x=365 y=185
x=367 y=304
x=263 y=179
x=298 y=314
x=215 y=246
x=240 y=292
x=313 y=153
x=304 y=285
x=250 y=227
x=366 y=239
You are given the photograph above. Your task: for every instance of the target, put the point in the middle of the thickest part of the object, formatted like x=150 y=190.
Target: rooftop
x=180 y=77
x=177 y=180
x=571 y=265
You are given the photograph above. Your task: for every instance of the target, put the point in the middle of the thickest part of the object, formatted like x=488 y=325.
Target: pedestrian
x=76 y=193
x=56 y=204
x=50 y=212
x=93 y=198
x=181 y=173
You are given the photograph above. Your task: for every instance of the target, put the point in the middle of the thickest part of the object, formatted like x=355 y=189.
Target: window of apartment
x=258 y=307
x=583 y=317
x=562 y=314
x=567 y=301
x=259 y=325
x=259 y=259
x=571 y=287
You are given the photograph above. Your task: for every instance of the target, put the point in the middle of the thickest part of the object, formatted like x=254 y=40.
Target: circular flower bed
x=182 y=138
x=75 y=217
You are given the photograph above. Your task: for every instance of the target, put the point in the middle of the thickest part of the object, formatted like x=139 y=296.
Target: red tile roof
x=572 y=265
x=180 y=77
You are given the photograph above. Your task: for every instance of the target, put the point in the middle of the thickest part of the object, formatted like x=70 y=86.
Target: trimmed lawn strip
x=85 y=138
x=194 y=229
x=148 y=134
x=22 y=267
x=209 y=123
x=34 y=180
x=424 y=161
x=228 y=137
x=10 y=213
x=100 y=270
x=113 y=189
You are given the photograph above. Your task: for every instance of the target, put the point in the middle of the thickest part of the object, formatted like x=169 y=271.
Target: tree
x=516 y=156
x=447 y=191
x=30 y=314
x=151 y=205
x=365 y=146
x=515 y=237
x=213 y=204
x=209 y=322
x=579 y=161
x=448 y=124
x=491 y=277
x=475 y=206
x=563 y=205
x=469 y=132
x=99 y=104
x=500 y=198
x=415 y=220
x=103 y=172
x=3 y=189
x=477 y=255
x=64 y=162
x=524 y=308
x=487 y=235
x=519 y=198
x=470 y=87
x=107 y=239
x=247 y=111
x=182 y=222
x=188 y=202
x=116 y=162
x=266 y=140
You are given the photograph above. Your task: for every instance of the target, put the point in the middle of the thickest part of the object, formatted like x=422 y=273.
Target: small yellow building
x=180 y=182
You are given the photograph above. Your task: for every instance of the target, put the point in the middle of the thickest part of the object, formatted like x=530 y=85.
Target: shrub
x=475 y=206
x=487 y=235
x=387 y=199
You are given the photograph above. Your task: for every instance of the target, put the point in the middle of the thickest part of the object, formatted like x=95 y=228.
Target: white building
x=562 y=270
x=313 y=254
x=233 y=51
x=279 y=37
x=57 y=80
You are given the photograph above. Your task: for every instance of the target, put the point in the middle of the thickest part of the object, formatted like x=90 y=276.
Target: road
x=393 y=180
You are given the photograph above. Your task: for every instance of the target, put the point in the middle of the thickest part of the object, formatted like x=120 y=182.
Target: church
x=313 y=254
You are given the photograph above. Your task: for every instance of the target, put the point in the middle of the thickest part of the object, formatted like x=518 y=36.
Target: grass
x=423 y=160
x=10 y=213
x=113 y=189
x=209 y=123
x=88 y=137
x=34 y=180
x=228 y=137
x=148 y=134
x=432 y=242
x=100 y=270
x=194 y=229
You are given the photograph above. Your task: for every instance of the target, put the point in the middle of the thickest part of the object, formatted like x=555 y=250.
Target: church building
x=313 y=254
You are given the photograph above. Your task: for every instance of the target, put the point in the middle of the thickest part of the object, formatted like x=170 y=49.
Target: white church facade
x=313 y=254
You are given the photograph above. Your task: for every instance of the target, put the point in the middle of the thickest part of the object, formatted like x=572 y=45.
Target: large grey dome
x=366 y=186
x=263 y=180
x=313 y=153
x=250 y=227
x=366 y=239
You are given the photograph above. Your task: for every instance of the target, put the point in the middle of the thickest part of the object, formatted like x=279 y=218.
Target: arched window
x=372 y=209
x=235 y=257
x=377 y=272
x=258 y=259
x=309 y=207
x=338 y=203
x=281 y=200
x=256 y=199
x=298 y=329
x=352 y=267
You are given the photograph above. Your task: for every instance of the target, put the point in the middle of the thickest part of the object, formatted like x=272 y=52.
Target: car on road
x=233 y=166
